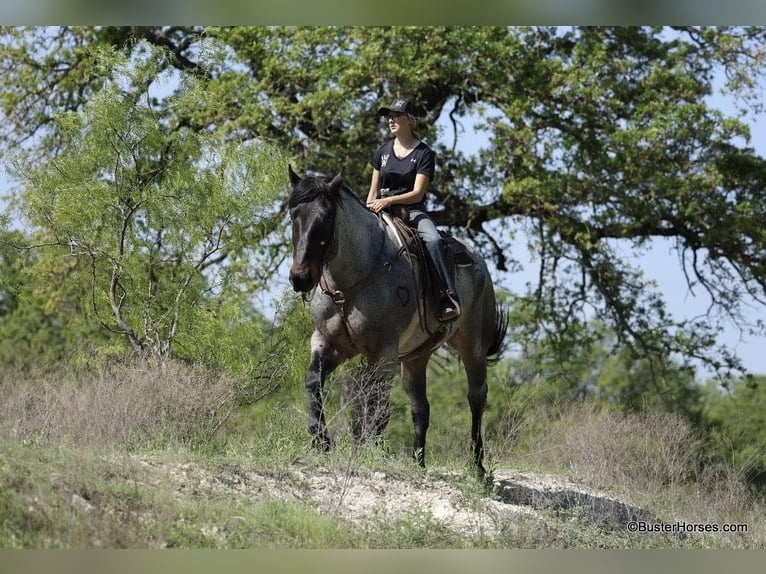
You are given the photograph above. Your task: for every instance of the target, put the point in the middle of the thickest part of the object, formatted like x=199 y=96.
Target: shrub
x=126 y=406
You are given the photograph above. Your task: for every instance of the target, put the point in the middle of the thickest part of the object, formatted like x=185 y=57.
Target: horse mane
x=312 y=187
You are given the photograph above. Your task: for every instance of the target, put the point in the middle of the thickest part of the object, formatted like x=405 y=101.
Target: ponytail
x=413 y=123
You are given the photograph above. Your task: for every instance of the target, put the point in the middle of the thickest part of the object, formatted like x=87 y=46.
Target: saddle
x=457 y=251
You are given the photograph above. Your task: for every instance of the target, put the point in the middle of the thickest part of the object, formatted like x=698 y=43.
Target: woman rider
x=402 y=170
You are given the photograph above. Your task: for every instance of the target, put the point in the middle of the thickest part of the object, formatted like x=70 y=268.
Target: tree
x=597 y=141
x=42 y=320
x=737 y=418
x=10 y=277
x=164 y=225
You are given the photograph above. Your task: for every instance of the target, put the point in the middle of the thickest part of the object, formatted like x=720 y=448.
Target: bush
x=606 y=448
x=127 y=406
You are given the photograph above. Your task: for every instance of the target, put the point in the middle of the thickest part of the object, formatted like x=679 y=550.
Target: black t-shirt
x=398 y=174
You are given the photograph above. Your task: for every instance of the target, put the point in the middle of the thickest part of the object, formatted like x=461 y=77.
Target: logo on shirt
x=384 y=160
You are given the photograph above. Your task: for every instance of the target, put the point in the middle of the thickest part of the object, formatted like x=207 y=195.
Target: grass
x=125 y=406
x=59 y=498
x=167 y=458
x=654 y=460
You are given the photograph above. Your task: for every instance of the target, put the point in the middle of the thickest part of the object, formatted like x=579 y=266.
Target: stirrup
x=449 y=308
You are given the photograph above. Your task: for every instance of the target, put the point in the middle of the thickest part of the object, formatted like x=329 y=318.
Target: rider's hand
x=377 y=205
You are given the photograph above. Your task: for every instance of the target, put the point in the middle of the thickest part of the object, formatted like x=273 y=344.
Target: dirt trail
x=362 y=497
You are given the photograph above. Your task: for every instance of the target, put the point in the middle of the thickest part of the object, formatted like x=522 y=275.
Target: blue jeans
x=435 y=244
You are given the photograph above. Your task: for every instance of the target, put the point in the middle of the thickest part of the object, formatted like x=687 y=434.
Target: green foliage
x=42 y=320
x=166 y=226
x=737 y=421
x=148 y=158
x=10 y=279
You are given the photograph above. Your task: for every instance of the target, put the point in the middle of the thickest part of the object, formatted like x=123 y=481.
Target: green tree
x=10 y=276
x=628 y=380
x=596 y=141
x=737 y=418
x=42 y=320
x=168 y=229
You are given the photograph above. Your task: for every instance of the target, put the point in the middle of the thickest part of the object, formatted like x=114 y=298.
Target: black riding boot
x=449 y=305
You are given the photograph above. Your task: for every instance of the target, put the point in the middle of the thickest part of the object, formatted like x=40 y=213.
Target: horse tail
x=501 y=328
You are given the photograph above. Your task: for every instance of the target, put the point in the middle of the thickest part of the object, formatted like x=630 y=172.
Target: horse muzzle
x=304 y=276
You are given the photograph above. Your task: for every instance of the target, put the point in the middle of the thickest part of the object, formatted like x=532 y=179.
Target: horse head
x=313 y=204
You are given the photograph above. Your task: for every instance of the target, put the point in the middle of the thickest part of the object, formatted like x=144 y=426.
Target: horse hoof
x=482 y=476
x=320 y=438
x=321 y=442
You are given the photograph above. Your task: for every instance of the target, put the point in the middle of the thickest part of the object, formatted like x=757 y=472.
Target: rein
x=339 y=296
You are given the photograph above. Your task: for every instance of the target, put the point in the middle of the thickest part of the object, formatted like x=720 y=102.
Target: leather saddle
x=458 y=253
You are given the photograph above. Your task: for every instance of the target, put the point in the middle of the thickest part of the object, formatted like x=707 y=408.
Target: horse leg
x=370 y=399
x=476 y=371
x=322 y=364
x=414 y=378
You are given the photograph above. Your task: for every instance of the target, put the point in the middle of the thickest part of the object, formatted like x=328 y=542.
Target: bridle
x=340 y=296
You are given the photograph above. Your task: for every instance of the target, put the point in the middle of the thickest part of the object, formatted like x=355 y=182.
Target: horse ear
x=336 y=182
x=294 y=177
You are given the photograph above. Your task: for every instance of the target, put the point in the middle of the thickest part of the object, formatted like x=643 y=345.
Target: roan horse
x=370 y=305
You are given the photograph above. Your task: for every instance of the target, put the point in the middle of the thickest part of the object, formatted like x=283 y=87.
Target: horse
x=370 y=304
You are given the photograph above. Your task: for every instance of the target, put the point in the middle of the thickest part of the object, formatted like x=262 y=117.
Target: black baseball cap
x=399 y=105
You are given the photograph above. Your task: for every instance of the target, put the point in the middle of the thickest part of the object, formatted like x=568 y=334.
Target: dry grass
x=123 y=407
x=655 y=460
x=607 y=449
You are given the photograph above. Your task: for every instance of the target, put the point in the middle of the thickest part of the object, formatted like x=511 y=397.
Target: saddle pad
x=408 y=238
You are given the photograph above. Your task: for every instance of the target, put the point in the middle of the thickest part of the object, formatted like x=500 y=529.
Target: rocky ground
x=515 y=498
